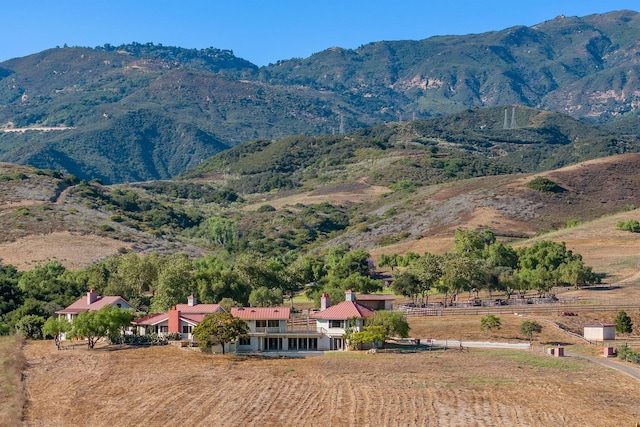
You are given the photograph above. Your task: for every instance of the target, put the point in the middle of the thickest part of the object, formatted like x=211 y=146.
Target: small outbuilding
x=599 y=331
x=376 y=301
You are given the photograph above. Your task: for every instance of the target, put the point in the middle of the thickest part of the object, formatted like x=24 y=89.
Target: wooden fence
x=566 y=305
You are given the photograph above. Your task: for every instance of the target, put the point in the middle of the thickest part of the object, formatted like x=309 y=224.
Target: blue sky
x=268 y=30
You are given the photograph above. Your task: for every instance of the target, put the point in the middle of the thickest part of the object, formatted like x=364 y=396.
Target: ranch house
x=92 y=302
x=272 y=329
x=182 y=318
x=332 y=321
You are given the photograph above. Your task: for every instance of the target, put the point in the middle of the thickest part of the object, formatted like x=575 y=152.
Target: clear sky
x=264 y=31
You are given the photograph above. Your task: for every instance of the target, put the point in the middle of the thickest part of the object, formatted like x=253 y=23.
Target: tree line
x=479 y=262
x=155 y=283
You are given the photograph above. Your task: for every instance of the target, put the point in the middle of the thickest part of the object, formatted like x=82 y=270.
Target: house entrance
x=335 y=344
x=272 y=344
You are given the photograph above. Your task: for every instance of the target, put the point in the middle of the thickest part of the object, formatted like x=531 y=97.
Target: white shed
x=599 y=331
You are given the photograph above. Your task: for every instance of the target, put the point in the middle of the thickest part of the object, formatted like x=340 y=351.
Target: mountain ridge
x=585 y=67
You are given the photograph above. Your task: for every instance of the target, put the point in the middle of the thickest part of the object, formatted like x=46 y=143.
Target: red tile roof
x=343 y=311
x=198 y=308
x=82 y=304
x=194 y=319
x=261 y=313
x=152 y=319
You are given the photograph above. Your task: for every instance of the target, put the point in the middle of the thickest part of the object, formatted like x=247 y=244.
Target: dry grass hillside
x=41 y=223
x=597 y=194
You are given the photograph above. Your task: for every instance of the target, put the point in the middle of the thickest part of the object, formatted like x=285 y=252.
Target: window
x=186 y=329
x=273 y=323
x=293 y=343
x=244 y=341
x=336 y=323
x=162 y=329
x=261 y=323
x=313 y=343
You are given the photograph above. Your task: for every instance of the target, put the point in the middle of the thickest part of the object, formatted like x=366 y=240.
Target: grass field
x=11 y=386
x=171 y=386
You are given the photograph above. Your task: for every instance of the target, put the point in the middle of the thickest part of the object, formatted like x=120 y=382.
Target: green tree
x=30 y=326
x=106 y=322
x=51 y=282
x=428 y=269
x=174 y=283
x=216 y=280
x=54 y=327
x=342 y=263
x=219 y=328
x=406 y=284
x=528 y=328
x=623 y=323
x=374 y=335
x=490 y=322
x=471 y=242
x=10 y=294
x=394 y=322
x=389 y=260
x=265 y=297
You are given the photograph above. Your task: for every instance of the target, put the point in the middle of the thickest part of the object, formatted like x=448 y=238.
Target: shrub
x=173 y=336
x=543 y=184
x=266 y=208
x=632 y=225
x=107 y=228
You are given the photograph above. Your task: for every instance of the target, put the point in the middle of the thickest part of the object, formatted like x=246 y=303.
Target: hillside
x=46 y=218
x=471 y=143
x=143 y=112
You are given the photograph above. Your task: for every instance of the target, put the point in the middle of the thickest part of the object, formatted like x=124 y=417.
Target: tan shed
x=599 y=331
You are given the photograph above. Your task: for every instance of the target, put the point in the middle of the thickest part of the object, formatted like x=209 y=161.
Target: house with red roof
x=332 y=321
x=92 y=302
x=182 y=318
x=273 y=329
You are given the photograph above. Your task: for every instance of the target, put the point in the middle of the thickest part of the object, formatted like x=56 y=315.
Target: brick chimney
x=191 y=301
x=174 y=320
x=325 y=302
x=92 y=297
x=350 y=296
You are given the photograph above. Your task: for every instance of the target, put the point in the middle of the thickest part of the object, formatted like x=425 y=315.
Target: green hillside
x=468 y=144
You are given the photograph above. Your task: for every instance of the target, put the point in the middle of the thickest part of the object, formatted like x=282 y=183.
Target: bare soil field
x=172 y=386
x=72 y=250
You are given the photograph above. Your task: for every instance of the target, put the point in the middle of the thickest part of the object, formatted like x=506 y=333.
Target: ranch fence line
x=568 y=305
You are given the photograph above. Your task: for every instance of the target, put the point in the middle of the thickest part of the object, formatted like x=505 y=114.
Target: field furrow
x=170 y=386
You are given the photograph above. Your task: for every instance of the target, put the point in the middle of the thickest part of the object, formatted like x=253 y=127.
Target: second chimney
x=92 y=297
x=325 y=302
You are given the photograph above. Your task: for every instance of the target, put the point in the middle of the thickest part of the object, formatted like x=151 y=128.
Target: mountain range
x=141 y=112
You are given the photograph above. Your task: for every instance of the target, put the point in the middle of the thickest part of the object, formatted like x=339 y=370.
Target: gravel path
x=626 y=369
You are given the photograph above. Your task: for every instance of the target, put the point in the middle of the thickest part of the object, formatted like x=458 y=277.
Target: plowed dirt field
x=171 y=386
